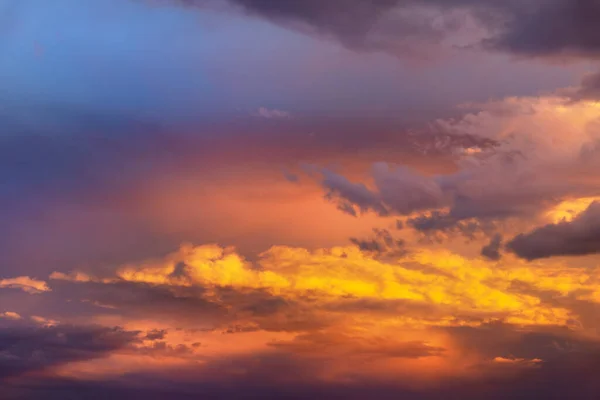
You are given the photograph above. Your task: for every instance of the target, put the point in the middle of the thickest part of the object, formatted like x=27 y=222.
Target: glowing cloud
x=26 y=284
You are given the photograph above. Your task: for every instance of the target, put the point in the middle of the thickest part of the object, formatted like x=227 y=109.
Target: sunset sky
x=300 y=199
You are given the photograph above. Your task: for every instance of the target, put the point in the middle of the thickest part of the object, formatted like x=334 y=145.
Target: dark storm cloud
x=358 y=24
x=527 y=27
x=551 y=28
x=578 y=237
x=25 y=348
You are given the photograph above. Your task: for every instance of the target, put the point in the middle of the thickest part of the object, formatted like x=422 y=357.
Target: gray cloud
x=156 y=334
x=349 y=194
x=551 y=28
x=568 y=238
x=492 y=249
x=383 y=243
x=437 y=225
x=399 y=191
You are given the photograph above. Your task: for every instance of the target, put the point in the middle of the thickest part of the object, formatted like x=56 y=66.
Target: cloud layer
x=302 y=199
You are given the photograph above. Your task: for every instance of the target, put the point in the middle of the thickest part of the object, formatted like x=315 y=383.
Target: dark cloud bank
x=522 y=27
x=28 y=348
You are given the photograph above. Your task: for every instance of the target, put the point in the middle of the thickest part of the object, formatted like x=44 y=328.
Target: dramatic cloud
x=551 y=28
x=529 y=27
x=578 y=237
x=285 y=283
x=170 y=172
x=313 y=311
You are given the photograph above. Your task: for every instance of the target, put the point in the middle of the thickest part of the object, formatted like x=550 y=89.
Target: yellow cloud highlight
x=439 y=279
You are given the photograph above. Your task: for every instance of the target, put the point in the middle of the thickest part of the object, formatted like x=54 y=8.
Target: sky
x=299 y=199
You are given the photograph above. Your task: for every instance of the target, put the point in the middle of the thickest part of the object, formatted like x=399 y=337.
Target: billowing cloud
x=542 y=144
x=285 y=283
x=581 y=236
x=170 y=184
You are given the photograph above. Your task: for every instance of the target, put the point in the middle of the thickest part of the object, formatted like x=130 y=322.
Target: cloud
x=267 y=113
x=551 y=28
x=534 y=28
x=333 y=315
x=156 y=334
x=49 y=205
x=10 y=315
x=492 y=249
x=278 y=292
x=541 y=145
x=26 y=284
x=27 y=348
x=438 y=225
x=277 y=375
x=578 y=237
x=589 y=89
x=383 y=244
x=365 y=25
x=399 y=191
x=43 y=321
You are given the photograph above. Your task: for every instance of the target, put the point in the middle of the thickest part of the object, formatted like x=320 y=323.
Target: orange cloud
x=26 y=284
x=10 y=315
